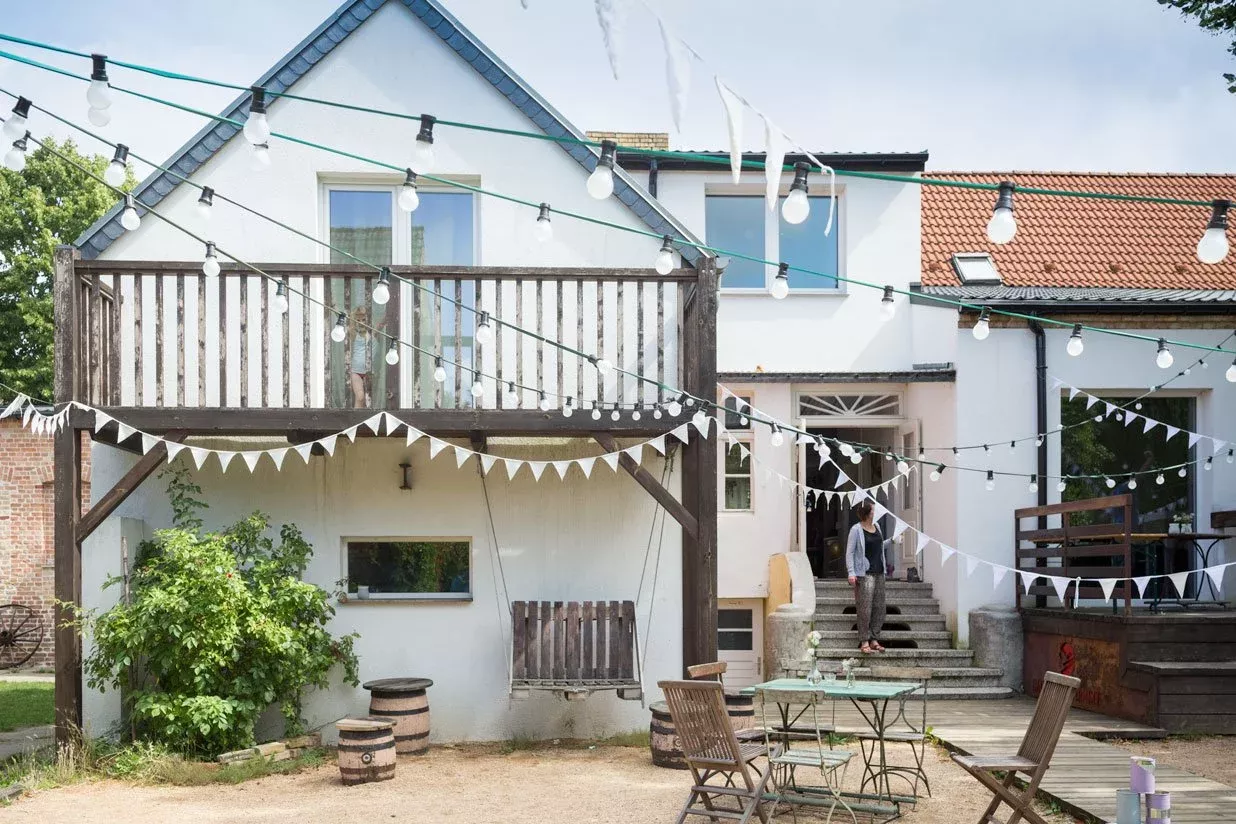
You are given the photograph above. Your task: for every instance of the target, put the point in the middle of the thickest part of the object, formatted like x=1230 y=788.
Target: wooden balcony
x=166 y=347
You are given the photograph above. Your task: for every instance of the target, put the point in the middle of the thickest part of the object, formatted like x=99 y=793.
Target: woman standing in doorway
x=868 y=557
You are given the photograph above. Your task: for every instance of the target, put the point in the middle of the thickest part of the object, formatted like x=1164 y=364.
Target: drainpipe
x=652 y=176
x=1040 y=377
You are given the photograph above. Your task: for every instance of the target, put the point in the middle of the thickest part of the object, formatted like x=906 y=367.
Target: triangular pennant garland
x=1027 y=579
x=971 y=564
x=149 y=442
x=413 y=436
x=682 y=433
x=611 y=15
x=677 y=74
x=373 y=422
x=537 y=467
x=328 y=444
x=277 y=455
x=1142 y=583
x=101 y=419
x=561 y=468
x=1193 y=439
x=842 y=479
x=512 y=467
x=1218 y=445
x=611 y=459
x=1108 y=585
x=1061 y=585
x=946 y=552
x=436 y=446
x=304 y=450
x=487 y=463
x=225 y=458
x=776 y=145
x=1150 y=424
x=20 y=400
x=899 y=526
x=251 y=457
x=637 y=452
x=733 y=120
x=392 y=423
x=123 y=431
x=1172 y=431
x=586 y=465
x=174 y=449
x=1215 y=574
x=461 y=456
x=997 y=574
x=658 y=443
x=199 y=456
x=350 y=433
x=1179 y=580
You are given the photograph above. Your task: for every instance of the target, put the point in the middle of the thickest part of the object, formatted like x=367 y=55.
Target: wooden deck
x=1085 y=773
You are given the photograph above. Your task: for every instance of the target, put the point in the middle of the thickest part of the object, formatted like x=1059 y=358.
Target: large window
x=737 y=477
x=743 y=224
x=380 y=568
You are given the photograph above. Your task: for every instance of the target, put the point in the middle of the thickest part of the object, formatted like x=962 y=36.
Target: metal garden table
x=871 y=699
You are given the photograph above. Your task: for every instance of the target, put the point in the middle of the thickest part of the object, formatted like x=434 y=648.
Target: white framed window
x=408 y=568
x=849 y=404
x=736 y=483
x=740 y=221
x=737 y=411
x=362 y=218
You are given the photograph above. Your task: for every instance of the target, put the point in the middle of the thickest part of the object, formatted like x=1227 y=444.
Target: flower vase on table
x=813 y=643
x=848 y=666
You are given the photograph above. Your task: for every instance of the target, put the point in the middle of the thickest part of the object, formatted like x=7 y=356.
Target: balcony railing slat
x=499 y=334
x=519 y=341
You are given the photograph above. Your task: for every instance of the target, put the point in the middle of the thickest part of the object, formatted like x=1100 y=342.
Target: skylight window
x=975 y=267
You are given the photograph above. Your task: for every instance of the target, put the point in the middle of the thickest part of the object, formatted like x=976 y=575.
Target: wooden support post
x=645 y=479
x=699 y=477
x=115 y=496
x=67 y=502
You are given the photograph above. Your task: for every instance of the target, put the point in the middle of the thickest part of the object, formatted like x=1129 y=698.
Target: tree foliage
x=1217 y=16
x=221 y=627
x=46 y=204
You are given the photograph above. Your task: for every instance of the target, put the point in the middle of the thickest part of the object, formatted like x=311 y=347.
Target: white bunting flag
x=350 y=433
x=611 y=15
x=775 y=146
x=413 y=436
x=392 y=423
x=637 y=452
x=1073 y=390
x=1110 y=408
x=946 y=552
x=658 y=443
x=899 y=527
x=20 y=400
x=1027 y=579
x=1171 y=432
x=1061 y=585
x=1108 y=585
x=923 y=540
x=877 y=508
x=251 y=457
x=1142 y=582
x=304 y=450
x=512 y=467
x=611 y=460
x=199 y=456
x=561 y=468
x=373 y=422
x=586 y=465
x=537 y=467
x=277 y=455
x=971 y=564
x=733 y=121
x=461 y=456
x=436 y=446
x=997 y=574
x=225 y=458
x=1129 y=417
x=487 y=463
x=1193 y=439
x=1056 y=383
x=149 y=442
x=29 y=411
x=804 y=438
x=174 y=449
x=682 y=433
x=328 y=444
x=1215 y=574
x=1091 y=400
x=1218 y=445
x=101 y=419
x=1180 y=580
x=1150 y=424
x=842 y=479
x=677 y=74
x=701 y=422
x=823 y=453
x=123 y=431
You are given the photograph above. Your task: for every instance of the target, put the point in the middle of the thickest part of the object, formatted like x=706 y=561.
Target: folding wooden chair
x=1032 y=759
x=905 y=728
x=711 y=749
x=814 y=752
x=717 y=669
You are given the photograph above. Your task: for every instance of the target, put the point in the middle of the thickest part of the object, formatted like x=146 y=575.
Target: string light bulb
x=15 y=126
x=1034 y=484
x=777 y=438
x=636 y=414
x=205 y=202
x=1230 y=374
x=856 y=457
x=545 y=404
x=982 y=328
x=903 y=466
x=1110 y=483
x=1061 y=485
x=129 y=218
x=615 y=415
x=1184 y=472
x=796 y=206
x=888 y=307
x=281 y=298
x=422 y=160
x=382 y=289
x=1212 y=248
x=392 y=353
x=1163 y=358
x=822 y=447
x=409 y=198
x=1132 y=482
x=210 y=266
x=1159 y=479
x=340 y=330
x=114 y=174
x=568 y=408
x=603 y=366
x=664 y=264
x=1003 y=225
x=1231 y=455
x=260 y=161
x=674 y=408
x=657 y=413
x=478 y=389
x=596 y=412
x=936 y=473
x=98 y=94
x=439 y=371
x=512 y=397
x=543 y=229
x=99 y=117
x=601 y=182
x=990 y=483
x=1075 y=344
x=15 y=157
x=484 y=330
x=1209 y=462
x=780 y=286
x=257 y=129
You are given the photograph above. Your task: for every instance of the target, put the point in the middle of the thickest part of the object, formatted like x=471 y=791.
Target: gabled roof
x=1072 y=242
x=333 y=31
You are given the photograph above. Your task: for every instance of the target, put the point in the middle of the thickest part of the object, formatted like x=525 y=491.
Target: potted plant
x=1181 y=522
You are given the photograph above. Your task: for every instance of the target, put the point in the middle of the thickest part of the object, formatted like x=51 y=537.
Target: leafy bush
x=221 y=626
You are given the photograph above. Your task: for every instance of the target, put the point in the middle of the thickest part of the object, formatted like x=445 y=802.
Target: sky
x=1099 y=85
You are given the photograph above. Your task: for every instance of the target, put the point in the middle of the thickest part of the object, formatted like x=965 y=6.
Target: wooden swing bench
x=575 y=648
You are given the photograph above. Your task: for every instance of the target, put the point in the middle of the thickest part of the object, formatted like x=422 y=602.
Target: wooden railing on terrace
x=162 y=334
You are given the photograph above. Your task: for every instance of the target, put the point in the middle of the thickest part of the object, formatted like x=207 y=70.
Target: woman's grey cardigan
x=856 y=552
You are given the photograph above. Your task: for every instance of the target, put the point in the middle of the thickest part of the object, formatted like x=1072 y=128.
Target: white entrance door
x=909 y=503
x=740 y=640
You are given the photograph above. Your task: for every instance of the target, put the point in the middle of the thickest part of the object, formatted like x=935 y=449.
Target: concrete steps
x=901 y=623
x=829 y=605
x=894 y=657
x=911 y=639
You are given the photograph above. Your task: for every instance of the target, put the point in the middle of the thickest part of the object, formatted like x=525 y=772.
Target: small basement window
x=976 y=267
x=409 y=568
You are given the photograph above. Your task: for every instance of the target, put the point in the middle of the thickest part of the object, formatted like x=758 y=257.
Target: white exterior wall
x=573 y=540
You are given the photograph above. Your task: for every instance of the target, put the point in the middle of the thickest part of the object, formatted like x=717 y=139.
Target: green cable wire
x=643 y=232
x=662 y=153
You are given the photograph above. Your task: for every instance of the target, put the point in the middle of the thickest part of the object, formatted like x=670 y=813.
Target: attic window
x=975 y=267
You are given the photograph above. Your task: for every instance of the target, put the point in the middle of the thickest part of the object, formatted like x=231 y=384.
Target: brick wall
x=638 y=140
x=27 y=516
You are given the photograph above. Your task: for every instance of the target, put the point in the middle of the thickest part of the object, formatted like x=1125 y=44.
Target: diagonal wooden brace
x=115 y=496
x=645 y=479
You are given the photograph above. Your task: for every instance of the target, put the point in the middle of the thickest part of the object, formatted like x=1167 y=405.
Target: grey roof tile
x=1077 y=294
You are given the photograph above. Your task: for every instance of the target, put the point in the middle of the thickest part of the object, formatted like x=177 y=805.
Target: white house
x=822 y=360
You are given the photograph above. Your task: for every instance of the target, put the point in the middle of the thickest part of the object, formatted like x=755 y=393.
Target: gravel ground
x=463 y=784
x=1212 y=757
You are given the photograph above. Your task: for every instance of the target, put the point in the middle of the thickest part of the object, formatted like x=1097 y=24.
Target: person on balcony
x=868 y=557
x=361 y=351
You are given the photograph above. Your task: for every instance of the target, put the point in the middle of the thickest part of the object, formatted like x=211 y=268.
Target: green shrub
x=219 y=626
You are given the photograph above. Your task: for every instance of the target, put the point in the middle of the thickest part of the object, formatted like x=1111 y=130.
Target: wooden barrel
x=404 y=701
x=663 y=739
x=366 y=749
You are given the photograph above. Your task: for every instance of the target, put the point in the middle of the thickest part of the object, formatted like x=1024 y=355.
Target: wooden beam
x=115 y=496
x=442 y=423
x=644 y=478
x=67 y=501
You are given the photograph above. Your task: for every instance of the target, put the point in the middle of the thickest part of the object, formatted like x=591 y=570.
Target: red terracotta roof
x=1072 y=241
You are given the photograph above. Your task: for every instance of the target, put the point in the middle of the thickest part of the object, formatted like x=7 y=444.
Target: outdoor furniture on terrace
x=816 y=754
x=575 y=648
x=403 y=700
x=901 y=730
x=1032 y=758
x=738 y=702
x=711 y=749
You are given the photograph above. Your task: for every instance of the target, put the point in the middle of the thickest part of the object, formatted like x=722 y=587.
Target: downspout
x=1040 y=377
x=652 y=176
